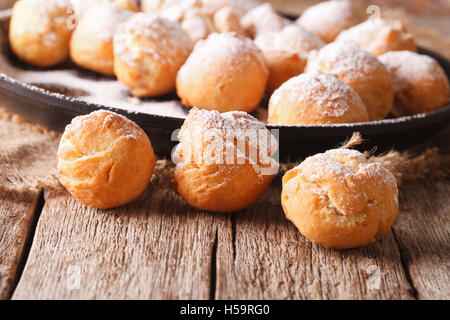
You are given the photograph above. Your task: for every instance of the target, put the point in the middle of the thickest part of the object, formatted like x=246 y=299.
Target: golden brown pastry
x=315 y=98
x=197 y=26
x=327 y=19
x=340 y=200
x=225 y=72
x=228 y=20
x=286 y=53
x=420 y=82
x=105 y=160
x=39 y=31
x=263 y=19
x=379 y=36
x=361 y=71
x=295 y=39
x=148 y=51
x=224 y=161
x=282 y=67
x=91 y=45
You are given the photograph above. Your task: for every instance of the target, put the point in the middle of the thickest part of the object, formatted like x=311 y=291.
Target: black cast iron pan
x=55 y=111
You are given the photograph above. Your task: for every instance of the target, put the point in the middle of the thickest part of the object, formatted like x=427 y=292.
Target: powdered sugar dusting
x=165 y=33
x=248 y=139
x=323 y=16
x=103 y=20
x=326 y=92
x=405 y=66
x=345 y=59
x=230 y=49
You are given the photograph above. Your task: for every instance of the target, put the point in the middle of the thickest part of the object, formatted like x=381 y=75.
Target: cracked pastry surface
x=339 y=199
x=223 y=161
x=105 y=160
x=40 y=32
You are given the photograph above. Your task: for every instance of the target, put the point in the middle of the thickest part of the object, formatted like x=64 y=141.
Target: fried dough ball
x=228 y=20
x=420 y=83
x=40 y=32
x=315 y=98
x=361 y=71
x=286 y=53
x=379 y=36
x=339 y=199
x=224 y=161
x=225 y=72
x=263 y=19
x=105 y=160
x=292 y=39
x=197 y=26
x=282 y=67
x=148 y=51
x=91 y=45
x=327 y=19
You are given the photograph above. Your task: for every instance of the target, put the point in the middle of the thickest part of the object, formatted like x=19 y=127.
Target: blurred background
x=428 y=20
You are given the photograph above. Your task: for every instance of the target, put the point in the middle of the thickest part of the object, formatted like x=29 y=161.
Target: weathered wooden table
x=52 y=247
x=158 y=247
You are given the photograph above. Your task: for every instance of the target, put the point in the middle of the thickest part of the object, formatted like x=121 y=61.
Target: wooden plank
x=261 y=255
x=423 y=235
x=155 y=248
x=16 y=223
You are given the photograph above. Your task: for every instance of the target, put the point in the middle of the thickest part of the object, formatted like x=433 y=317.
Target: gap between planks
x=258 y=234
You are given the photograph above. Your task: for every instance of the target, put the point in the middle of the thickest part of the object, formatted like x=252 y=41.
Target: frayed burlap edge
x=428 y=165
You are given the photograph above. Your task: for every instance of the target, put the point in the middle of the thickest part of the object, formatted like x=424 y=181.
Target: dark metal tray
x=55 y=111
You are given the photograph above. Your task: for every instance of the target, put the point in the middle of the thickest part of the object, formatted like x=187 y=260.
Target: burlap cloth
x=28 y=152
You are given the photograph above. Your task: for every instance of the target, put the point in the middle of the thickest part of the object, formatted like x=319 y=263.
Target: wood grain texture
x=261 y=255
x=16 y=222
x=155 y=248
x=423 y=235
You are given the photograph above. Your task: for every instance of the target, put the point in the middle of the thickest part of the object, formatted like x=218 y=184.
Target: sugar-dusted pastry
x=286 y=53
x=420 y=82
x=227 y=19
x=148 y=51
x=197 y=26
x=39 y=31
x=379 y=36
x=262 y=19
x=360 y=70
x=105 y=160
x=327 y=19
x=296 y=39
x=225 y=72
x=91 y=45
x=282 y=66
x=223 y=161
x=315 y=98
x=339 y=199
